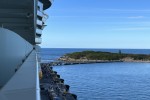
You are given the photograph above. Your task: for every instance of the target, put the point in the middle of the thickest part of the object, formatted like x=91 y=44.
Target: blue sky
x=98 y=24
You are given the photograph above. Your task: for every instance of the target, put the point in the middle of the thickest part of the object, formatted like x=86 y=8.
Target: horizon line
x=88 y=48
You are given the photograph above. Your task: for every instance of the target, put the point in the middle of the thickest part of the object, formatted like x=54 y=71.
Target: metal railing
x=38 y=97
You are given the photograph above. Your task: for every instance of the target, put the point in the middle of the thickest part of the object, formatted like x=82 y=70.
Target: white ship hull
x=21 y=25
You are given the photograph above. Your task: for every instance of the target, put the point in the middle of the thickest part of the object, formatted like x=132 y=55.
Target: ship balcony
x=39 y=13
x=40 y=6
x=38 y=40
x=45 y=17
x=24 y=85
x=19 y=79
x=39 y=22
x=38 y=31
x=46 y=3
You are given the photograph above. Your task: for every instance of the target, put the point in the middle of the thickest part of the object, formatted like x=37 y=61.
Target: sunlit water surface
x=108 y=81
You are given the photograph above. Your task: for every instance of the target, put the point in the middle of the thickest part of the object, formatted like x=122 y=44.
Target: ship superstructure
x=21 y=25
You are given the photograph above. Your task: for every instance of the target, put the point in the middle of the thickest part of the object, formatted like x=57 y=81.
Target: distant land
x=98 y=56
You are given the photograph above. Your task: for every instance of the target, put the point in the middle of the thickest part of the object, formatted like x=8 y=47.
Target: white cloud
x=132 y=29
x=106 y=17
x=136 y=17
x=129 y=10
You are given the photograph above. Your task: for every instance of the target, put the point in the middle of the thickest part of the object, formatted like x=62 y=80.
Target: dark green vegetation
x=98 y=55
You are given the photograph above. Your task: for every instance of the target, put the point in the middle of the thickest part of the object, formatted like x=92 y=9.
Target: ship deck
x=24 y=85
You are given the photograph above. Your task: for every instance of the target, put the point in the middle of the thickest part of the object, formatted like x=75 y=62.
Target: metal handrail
x=38 y=96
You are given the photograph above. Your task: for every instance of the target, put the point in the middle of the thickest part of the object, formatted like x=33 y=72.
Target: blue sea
x=104 y=81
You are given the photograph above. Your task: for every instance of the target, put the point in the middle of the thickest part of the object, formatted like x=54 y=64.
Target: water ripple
x=108 y=81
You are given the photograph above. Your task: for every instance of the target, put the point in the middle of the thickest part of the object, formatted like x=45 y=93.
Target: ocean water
x=104 y=81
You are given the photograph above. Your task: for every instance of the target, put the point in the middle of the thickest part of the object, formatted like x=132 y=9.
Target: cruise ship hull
x=21 y=25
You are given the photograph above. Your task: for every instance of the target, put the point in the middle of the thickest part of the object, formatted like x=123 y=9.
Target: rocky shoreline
x=103 y=61
x=75 y=62
x=70 y=61
x=52 y=86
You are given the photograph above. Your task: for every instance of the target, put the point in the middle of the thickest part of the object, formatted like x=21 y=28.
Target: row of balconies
x=40 y=22
x=25 y=20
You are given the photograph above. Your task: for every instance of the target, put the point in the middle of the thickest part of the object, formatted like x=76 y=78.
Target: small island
x=100 y=57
